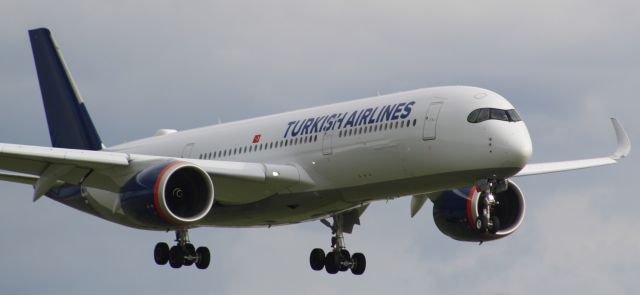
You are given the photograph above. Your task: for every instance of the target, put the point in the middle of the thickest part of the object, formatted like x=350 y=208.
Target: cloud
x=579 y=243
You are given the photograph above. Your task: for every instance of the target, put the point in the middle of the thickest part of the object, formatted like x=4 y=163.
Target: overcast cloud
x=566 y=65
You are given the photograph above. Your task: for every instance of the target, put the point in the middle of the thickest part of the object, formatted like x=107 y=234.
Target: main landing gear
x=338 y=258
x=184 y=253
x=488 y=220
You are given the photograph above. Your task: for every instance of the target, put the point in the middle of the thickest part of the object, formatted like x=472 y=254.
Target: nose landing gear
x=488 y=220
x=183 y=253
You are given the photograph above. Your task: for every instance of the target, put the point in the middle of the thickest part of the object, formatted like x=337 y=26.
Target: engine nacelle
x=456 y=211
x=167 y=195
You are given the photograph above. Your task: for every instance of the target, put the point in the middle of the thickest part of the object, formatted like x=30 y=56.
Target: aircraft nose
x=516 y=146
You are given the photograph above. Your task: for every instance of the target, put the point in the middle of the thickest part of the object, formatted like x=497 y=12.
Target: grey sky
x=566 y=65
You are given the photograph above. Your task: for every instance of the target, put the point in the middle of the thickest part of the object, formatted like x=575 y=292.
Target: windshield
x=484 y=114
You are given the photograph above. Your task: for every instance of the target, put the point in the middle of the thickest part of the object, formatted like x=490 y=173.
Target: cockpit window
x=513 y=116
x=501 y=115
x=484 y=114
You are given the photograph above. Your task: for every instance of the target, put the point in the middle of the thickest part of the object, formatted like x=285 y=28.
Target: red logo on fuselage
x=256 y=138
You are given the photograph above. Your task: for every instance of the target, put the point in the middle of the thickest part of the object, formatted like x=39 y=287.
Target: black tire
x=485 y=224
x=495 y=224
x=331 y=263
x=176 y=257
x=204 y=257
x=480 y=224
x=161 y=253
x=316 y=259
x=483 y=199
x=190 y=251
x=359 y=263
x=344 y=256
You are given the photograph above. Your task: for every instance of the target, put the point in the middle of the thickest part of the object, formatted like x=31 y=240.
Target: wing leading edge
x=622 y=150
x=46 y=167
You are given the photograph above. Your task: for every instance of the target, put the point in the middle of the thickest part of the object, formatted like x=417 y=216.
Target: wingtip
x=623 y=143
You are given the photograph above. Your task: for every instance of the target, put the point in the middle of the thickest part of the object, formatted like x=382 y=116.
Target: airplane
x=458 y=146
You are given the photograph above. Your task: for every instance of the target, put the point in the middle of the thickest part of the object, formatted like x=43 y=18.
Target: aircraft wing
x=622 y=150
x=47 y=167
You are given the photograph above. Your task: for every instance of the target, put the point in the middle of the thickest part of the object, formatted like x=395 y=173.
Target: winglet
x=622 y=150
x=624 y=145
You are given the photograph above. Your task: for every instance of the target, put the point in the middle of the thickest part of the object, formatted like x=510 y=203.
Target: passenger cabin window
x=484 y=114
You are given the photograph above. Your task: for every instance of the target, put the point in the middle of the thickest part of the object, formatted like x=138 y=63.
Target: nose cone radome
x=510 y=146
x=517 y=146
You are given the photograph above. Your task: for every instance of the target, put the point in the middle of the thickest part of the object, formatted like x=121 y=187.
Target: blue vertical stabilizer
x=69 y=123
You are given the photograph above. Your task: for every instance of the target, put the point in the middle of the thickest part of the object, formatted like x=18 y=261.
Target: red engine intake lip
x=472 y=205
x=160 y=202
x=473 y=214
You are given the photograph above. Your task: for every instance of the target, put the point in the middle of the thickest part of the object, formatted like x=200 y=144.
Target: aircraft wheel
x=345 y=256
x=316 y=259
x=161 y=253
x=479 y=224
x=331 y=263
x=204 y=257
x=176 y=257
x=495 y=224
x=359 y=263
x=191 y=253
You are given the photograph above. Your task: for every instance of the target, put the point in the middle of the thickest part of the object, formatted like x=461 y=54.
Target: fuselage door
x=186 y=151
x=327 y=143
x=431 y=121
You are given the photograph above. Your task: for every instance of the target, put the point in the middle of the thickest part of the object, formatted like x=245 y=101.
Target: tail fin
x=69 y=123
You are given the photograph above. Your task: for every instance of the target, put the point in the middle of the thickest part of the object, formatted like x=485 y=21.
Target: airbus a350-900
x=458 y=146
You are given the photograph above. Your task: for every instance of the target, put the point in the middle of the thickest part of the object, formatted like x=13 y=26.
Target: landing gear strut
x=183 y=253
x=338 y=258
x=488 y=220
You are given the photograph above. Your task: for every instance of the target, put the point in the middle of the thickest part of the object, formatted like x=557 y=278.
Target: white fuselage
x=399 y=144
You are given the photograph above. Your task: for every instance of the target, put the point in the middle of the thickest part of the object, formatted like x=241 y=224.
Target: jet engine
x=456 y=213
x=172 y=194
